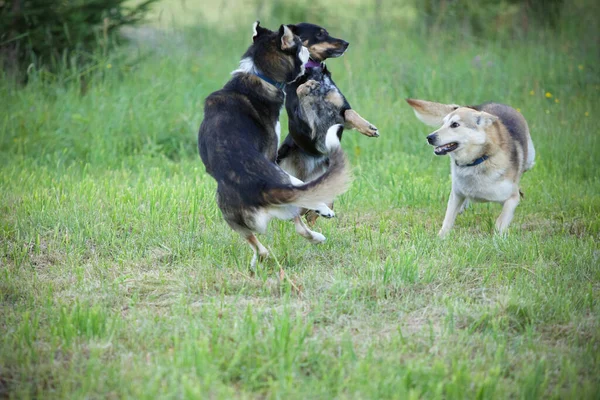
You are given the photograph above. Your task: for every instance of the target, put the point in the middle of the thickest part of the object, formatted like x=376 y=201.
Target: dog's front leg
x=455 y=202
x=508 y=211
x=355 y=121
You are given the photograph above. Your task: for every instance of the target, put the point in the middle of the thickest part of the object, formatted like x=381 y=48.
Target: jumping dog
x=314 y=103
x=238 y=142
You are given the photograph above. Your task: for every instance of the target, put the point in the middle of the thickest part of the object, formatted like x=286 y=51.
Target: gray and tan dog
x=490 y=148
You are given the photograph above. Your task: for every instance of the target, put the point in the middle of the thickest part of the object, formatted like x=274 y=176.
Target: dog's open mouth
x=445 y=149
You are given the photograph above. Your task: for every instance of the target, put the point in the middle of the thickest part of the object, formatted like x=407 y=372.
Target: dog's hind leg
x=464 y=206
x=260 y=251
x=311 y=217
x=454 y=204
x=311 y=236
x=355 y=121
x=508 y=211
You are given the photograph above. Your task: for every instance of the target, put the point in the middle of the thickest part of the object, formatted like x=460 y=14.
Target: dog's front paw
x=325 y=211
x=307 y=87
x=369 y=130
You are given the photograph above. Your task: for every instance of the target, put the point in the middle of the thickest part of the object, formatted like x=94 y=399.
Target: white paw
x=501 y=228
x=317 y=238
x=325 y=211
x=443 y=233
x=261 y=256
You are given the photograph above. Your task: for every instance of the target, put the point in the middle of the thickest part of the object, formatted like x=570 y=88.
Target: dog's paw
x=369 y=130
x=307 y=87
x=325 y=211
x=317 y=238
x=260 y=257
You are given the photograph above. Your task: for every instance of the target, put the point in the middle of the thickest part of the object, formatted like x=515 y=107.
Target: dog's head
x=277 y=55
x=463 y=129
x=320 y=44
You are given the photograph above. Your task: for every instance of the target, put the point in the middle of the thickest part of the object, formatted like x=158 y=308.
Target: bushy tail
x=335 y=181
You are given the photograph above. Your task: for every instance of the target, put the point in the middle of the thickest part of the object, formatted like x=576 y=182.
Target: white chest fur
x=278 y=133
x=470 y=182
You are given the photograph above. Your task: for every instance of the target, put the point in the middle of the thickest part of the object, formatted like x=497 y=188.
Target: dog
x=239 y=137
x=490 y=148
x=314 y=103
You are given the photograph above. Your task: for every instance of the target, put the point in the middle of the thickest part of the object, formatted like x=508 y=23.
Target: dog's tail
x=324 y=189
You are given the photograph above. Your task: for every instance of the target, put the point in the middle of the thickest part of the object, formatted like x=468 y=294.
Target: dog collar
x=476 y=162
x=312 y=64
x=278 y=85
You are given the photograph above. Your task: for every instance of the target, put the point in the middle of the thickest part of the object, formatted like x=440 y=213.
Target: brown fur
x=354 y=121
x=335 y=98
x=317 y=50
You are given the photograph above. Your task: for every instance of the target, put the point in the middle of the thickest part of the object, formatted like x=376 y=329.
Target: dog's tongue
x=312 y=64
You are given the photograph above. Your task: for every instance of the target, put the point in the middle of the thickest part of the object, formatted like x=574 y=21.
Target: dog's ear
x=258 y=30
x=431 y=113
x=286 y=36
x=483 y=119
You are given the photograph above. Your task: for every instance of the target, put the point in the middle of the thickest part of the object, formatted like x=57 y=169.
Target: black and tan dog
x=238 y=142
x=490 y=148
x=314 y=103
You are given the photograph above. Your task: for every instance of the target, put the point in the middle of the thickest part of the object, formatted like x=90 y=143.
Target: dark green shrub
x=44 y=31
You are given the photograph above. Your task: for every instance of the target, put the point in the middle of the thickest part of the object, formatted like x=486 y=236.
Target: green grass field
x=119 y=278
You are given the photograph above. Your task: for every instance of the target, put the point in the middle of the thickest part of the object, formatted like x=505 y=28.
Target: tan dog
x=490 y=148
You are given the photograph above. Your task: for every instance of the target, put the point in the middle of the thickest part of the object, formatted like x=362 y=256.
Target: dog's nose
x=432 y=138
x=345 y=44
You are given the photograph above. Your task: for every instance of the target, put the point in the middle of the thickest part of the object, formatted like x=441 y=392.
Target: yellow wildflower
x=556 y=101
x=548 y=95
x=108 y=66
x=580 y=66
x=587 y=114
x=531 y=93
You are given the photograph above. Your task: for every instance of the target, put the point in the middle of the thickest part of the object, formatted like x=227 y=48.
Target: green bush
x=45 y=31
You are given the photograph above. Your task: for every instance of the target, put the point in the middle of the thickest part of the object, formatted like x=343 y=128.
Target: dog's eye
x=320 y=35
x=454 y=125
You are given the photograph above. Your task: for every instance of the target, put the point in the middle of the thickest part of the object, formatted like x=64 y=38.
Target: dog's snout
x=345 y=44
x=432 y=138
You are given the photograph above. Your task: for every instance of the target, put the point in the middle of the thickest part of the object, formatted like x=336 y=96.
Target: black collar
x=476 y=162
x=278 y=85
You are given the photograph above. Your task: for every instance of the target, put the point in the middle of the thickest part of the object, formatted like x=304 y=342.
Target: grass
x=119 y=277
